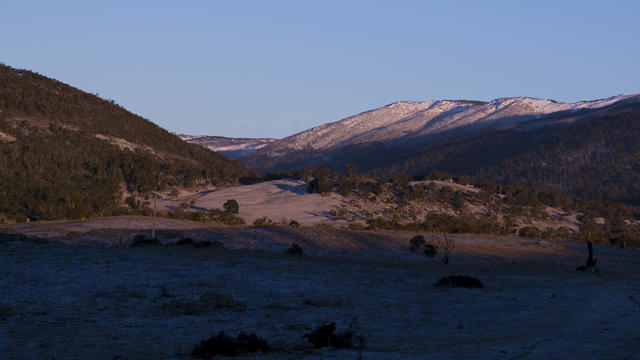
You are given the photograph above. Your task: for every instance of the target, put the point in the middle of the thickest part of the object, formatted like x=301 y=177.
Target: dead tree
x=447 y=247
x=591 y=262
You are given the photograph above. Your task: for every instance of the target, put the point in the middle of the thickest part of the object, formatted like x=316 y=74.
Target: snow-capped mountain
x=230 y=147
x=406 y=123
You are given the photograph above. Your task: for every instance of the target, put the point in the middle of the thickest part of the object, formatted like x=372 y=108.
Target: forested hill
x=593 y=154
x=65 y=153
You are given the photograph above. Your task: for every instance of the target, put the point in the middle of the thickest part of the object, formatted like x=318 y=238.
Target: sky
x=275 y=68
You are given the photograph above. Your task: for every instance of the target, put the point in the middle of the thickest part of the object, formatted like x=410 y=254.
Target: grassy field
x=84 y=295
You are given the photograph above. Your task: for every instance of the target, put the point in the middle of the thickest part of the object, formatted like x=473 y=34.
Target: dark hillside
x=65 y=153
x=595 y=154
x=591 y=153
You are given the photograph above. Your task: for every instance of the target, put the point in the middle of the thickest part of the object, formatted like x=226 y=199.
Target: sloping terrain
x=282 y=201
x=65 y=153
x=277 y=200
x=593 y=153
x=404 y=124
x=589 y=149
x=436 y=206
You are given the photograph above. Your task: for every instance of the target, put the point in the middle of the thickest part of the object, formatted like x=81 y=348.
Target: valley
x=121 y=240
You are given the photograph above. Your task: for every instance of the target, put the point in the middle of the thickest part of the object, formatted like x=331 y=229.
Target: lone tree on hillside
x=231 y=207
x=321 y=182
x=306 y=173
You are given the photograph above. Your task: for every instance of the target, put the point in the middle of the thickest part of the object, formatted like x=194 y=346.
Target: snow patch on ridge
x=231 y=147
x=411 y=121
x=403 y=123
x=550 y=106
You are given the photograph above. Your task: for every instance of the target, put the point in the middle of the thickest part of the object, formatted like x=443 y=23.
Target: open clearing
x=93 y=298
x=284 y=200
x=277 y=200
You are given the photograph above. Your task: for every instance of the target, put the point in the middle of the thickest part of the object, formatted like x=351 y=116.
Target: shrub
x=356 y=226
x=295 y=249
x=198 y=244
x=294 y=224
x=222 y=344
x=231 y=219
x=173 y=193
x=185 y=242
x=208 y=243
x=323 y=336
x=530 y=231
x=141 y=240
x=231 y=207
x=320 y=185
x=416 y=243
x=430 y=250
x=457 y=281
x=263 y=221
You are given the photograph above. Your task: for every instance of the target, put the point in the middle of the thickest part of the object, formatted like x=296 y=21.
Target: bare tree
x=447 y=245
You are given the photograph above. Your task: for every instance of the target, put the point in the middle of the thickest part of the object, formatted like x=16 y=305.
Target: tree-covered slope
x=65 y=153
x=594 y=154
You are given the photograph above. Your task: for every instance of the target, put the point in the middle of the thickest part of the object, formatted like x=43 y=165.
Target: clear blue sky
x=273 y=68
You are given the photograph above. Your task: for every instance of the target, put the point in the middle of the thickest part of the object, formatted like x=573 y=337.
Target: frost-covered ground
x=67 y=301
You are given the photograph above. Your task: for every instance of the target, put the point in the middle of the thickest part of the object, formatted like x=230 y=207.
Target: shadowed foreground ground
x=67 y=301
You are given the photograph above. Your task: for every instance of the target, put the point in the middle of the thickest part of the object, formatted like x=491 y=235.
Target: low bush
x=185 y=242
x=198 y=244
x=4 y=237
x=232 y=219
x=356 y=226
x=430 y=250
x=295 y=249
x=294 y=224
x=207 y=243
x=224 y=345
x=416 y=243
x=530 y=231
x=457 y=281
x=141 y=240
x=263 y=221
x=323 y=336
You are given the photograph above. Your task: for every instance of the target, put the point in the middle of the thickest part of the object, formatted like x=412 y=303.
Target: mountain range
x=587 y=148
x=406 y=124
x=232 y=148
x=65 y=153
